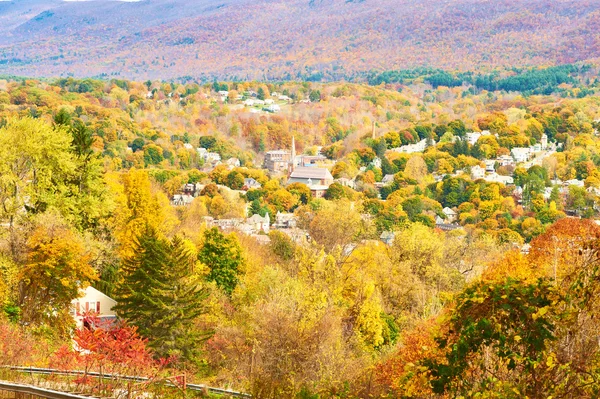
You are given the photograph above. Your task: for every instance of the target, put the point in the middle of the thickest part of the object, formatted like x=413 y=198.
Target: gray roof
x=311 y=173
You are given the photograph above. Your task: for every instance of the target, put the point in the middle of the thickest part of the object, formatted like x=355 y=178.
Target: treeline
x=528 y=81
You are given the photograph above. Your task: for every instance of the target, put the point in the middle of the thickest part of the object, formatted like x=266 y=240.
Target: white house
x=285 y=220
x=490 y=165
x=496 y=178
x=412 y=148
x=259 y=223
x=233 y=163
x=544 y=141
x=477 y=172
x=472 y=137
x=181 y=199
x=574 y=182
x=505 y=160
x=92 y=300
x=450 y=215
x=521 y=154
x=347 y=182
x=387 y=179
x=273 y=108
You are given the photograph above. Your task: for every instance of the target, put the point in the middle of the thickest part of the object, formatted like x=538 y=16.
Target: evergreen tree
x=182 y=303
x=142 y=278
x=160 y=295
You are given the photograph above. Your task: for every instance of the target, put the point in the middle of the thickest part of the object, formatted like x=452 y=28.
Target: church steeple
x=293 y=160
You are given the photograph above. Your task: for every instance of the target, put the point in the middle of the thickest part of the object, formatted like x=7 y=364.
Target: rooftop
x=311 y=173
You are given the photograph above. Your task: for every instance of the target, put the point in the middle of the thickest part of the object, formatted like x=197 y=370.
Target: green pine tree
x=174 y=331
x=161 y=295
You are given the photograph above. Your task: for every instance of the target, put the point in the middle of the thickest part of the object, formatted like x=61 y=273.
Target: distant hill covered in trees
x=294 y=39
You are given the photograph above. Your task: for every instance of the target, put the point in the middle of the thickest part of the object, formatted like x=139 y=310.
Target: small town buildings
x=93 y=301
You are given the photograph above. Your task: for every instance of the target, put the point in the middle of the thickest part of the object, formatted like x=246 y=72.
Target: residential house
x=477 y=172
x=346 y=182
x=505 y=160
x=544 y=141
x=496 y=178
x=490 y=165
x=273 y=108
x=233 y=163
x=521 y=154
x=250 y=183
x=259 y=223
x=92 y=300
x=285 y=220
x=573 y=182
x=387 y=237
x=188 y=146
x=212 y=157
x=472 y=137
x=451 y=215
x=412 y=148
x=181 y=199
x=387 y=179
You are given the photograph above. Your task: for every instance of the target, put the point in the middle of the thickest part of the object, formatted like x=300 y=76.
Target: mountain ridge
x=287 y=39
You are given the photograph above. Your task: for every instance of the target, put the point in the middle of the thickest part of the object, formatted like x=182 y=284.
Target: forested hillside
x=283 y=39
x=441 y=242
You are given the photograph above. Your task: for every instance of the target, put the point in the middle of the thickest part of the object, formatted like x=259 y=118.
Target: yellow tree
x=56 y=268
x=139 y=206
